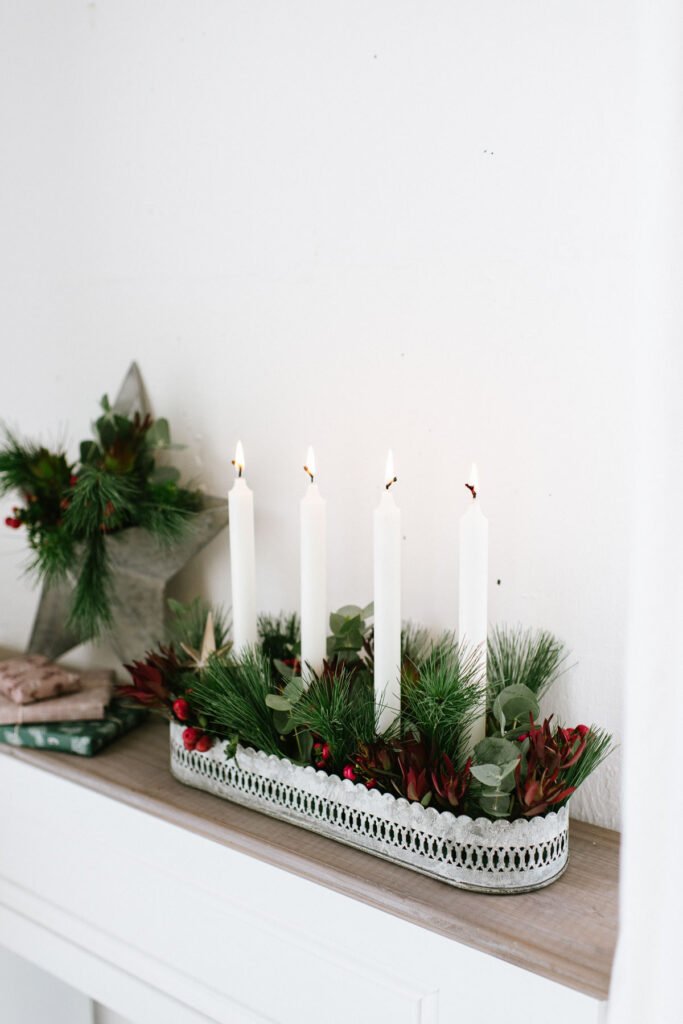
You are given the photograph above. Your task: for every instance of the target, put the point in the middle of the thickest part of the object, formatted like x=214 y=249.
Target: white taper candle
x=313 y=576
x=387 y=578
x=242 y=558
x=474 y=567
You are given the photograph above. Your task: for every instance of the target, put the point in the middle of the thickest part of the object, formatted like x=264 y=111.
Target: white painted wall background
x=355 y=224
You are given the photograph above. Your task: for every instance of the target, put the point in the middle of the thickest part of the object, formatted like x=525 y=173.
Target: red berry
x=13 y=522
x=181 y=709
x=326 y=752
x=204 y=743
x=320 y=764
x=582 y=730
x=73 y=480
x=371 y=783
x=349 y=773
x=191 y=737
x=317 y=748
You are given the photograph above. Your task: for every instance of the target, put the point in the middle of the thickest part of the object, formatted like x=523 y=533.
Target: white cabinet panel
x=163 y=925
x=29 y=995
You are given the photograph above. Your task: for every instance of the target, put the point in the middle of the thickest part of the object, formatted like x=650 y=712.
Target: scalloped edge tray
x=499 y=857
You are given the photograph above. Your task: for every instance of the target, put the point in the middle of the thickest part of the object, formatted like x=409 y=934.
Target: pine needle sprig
x=231 y=695
x=25 y=465
x=534 y=658
x=91 y=605
x=69 y=509
x=441 y=703
x=103 y=502
x=599 y=745
x=52 y=554
x=416 y=644
x=165 y=522
x=338 y=708
x=280 y=636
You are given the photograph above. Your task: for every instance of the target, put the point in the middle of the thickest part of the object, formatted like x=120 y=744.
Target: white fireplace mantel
x=168 y=905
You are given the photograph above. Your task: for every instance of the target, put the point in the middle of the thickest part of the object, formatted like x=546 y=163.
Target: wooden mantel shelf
x=566 y=933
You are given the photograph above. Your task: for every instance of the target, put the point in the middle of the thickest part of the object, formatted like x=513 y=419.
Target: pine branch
x=91 y=607
x=166 y=523
x=441 y=703
x=279 y=637
x=53 y=552
x=535 y=659
x=101 y=502
x=232 y=696
x=416 y=644
x=338 y=708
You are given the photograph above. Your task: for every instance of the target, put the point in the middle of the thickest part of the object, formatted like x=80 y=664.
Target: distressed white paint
x=393 y=223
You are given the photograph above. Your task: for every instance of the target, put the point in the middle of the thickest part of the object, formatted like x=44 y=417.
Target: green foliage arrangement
x=69 y=509
x=535 y=659
x=522 y=768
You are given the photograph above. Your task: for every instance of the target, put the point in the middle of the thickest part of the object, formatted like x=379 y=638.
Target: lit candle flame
x=473 y=483
x=389 y=473
x=309 y=465
x=238 y=461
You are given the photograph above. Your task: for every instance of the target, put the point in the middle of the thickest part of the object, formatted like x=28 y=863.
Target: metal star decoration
x=200 y=659
x=142 y=571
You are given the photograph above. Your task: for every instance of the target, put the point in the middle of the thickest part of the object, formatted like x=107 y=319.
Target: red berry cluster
x=321 y=755
x=14 y=521
x=181 y=709
x=350 y=774
x=195 y=739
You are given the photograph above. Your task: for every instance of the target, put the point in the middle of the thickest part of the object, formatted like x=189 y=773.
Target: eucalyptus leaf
x=278 y=702
x=497 y=777
x=487 y=774
x=513 y=705
x=286 y=671
x=283 y=722
x=495 y=750
x=350 y=611
x=159 y=434
x=294 y=690
x=496 y=805
x=305 y=741
x=336 y=622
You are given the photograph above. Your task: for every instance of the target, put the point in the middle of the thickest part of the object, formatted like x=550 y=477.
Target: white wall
x=356 y=224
